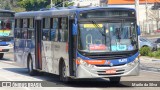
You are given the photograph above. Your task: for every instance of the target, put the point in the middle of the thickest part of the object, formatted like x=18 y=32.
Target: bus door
x=38 y=32
x=72 y=48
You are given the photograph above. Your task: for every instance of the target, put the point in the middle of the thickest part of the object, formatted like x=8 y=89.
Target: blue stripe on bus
x=114 y=61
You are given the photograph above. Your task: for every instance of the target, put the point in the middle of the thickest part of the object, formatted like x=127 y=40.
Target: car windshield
x=6 y=25
x=107 y=36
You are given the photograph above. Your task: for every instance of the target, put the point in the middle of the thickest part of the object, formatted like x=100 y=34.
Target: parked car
x=144 y=42
x=158 y=42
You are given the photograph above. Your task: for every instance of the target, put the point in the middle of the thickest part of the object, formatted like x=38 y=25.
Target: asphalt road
x=9 y=71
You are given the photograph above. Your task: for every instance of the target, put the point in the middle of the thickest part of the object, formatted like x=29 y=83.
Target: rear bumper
x=100 y=72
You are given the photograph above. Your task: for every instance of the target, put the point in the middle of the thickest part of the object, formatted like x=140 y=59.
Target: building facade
x=149 y=19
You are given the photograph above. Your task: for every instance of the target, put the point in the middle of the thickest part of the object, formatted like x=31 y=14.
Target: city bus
x=78 y=43
x=6 y=31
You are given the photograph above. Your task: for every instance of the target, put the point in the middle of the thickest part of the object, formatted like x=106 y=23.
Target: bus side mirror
x=138 y=30
x=74 y=29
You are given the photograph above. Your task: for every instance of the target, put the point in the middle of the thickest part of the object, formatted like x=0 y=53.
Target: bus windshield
x=107 y=36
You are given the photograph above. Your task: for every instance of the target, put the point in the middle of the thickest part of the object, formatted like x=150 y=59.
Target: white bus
x=6 y=31
x=78 y=43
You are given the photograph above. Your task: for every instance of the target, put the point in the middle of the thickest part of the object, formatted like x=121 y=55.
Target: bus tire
x=62 y=72
x=31 y=71
x=1 y=55
x=115 y=80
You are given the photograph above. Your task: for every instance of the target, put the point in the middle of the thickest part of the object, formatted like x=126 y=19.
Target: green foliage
x=151 y=54
x=155 y=54
x=11 y=5
x=144 y=51
x=31 y=5
x=69 y=4
x=19 y=9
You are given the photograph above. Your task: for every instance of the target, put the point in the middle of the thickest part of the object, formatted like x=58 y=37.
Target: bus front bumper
x=100 y=72
x=5 y=49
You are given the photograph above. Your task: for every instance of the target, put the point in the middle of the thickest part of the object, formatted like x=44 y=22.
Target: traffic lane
x=9 y=66
x=16 y=73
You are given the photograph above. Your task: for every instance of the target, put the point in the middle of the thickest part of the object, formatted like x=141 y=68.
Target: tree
x=11 y=5
x=31 y=5
x=155 y=16
x=4 y=4
x=60 y=3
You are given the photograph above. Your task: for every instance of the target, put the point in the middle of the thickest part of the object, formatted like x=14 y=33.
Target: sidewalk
x=148 y=63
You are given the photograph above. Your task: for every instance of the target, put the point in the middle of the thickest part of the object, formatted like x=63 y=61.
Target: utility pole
x=51 y=3
x=137 y=10
x=147 y=26
x=137 y=14
x=63 y=2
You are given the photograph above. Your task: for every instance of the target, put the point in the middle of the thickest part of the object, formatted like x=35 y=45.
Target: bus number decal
x=122 y=60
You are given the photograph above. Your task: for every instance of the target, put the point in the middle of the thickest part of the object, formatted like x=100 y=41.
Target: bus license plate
x=111 y=71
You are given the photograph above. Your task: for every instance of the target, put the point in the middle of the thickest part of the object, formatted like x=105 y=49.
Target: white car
x=158 y=42
x=144 y=42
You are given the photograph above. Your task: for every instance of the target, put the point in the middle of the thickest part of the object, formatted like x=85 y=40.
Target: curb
x=143 y=67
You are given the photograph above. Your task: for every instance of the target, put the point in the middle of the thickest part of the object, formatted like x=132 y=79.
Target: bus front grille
x=118 y=72
x=109 y=65
x=111 y=56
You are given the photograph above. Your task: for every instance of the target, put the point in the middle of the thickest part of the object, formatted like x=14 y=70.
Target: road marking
x=151 y=71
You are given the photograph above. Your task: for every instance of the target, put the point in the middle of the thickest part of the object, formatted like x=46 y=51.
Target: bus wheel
x=1 y=55
x=63 y=76
x=115 y=80
x=31 y=71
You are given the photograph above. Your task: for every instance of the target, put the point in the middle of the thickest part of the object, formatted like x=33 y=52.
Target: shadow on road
x=6 y=59
x=55 y=82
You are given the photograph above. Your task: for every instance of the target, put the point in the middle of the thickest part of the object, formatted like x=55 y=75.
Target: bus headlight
x=134 y=62
x=84 y=63
x=10 y=45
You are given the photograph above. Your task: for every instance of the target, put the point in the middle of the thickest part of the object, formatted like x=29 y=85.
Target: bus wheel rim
x=30 y=65
x=64 y=71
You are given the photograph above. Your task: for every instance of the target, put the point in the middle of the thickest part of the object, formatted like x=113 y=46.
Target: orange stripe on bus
x=94 y=62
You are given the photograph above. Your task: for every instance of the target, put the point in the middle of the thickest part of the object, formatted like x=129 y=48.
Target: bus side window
x=46 y=29
x=64 y=30
x=58 y=32
x=54 y=27
x=46 y=35
x=18 y=33
x=31 y=28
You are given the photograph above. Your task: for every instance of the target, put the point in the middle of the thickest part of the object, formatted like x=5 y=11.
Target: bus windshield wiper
x=99 y=28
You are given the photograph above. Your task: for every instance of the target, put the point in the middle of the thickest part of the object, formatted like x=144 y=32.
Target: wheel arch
x=61 y=60
x=28 y=56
